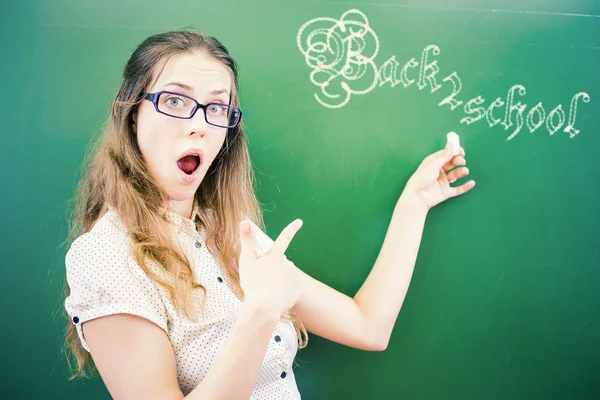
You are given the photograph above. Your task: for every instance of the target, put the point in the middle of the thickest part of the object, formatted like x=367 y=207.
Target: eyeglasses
x=184 y=107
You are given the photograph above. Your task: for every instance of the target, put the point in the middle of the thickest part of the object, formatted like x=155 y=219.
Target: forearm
x=236 y=369
x=382 y=294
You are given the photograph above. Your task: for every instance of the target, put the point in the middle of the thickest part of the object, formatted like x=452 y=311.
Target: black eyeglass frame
x=153 y=98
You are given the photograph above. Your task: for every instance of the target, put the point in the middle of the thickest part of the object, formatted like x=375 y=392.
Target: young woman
x=174 y=290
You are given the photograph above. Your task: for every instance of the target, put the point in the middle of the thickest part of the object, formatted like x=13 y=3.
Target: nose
x=197 y=124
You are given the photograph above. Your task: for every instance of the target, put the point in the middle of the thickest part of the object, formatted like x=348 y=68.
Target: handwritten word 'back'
x=341 y=54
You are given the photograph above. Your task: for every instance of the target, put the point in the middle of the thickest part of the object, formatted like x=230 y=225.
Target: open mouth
x=189 y=164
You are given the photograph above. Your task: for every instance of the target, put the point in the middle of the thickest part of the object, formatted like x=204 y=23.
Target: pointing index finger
x=285 y=237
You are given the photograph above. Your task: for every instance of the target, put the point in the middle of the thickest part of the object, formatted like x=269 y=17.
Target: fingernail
x=245 y=227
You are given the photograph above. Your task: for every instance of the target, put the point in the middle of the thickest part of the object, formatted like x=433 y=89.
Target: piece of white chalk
x=453 y=138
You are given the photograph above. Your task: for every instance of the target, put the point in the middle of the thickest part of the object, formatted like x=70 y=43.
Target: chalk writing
x=341 y=53
x=457 y=84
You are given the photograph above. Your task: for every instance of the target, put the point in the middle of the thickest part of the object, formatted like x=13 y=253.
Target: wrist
x=259 y=312
x=410 y=200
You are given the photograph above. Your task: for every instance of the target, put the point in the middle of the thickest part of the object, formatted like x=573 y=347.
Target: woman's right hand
x=270 y=281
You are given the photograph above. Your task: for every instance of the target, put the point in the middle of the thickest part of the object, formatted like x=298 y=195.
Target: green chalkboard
x=341 y=101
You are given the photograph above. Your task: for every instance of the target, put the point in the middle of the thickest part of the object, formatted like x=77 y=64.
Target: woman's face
x=165 y=141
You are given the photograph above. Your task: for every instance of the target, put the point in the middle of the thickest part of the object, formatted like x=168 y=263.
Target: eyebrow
x=191 y=89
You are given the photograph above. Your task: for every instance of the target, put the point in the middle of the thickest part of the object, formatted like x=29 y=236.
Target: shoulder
x=107 y=233
x=100 y=265
x=106 y=243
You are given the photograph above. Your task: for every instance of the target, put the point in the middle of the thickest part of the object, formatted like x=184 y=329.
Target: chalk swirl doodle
x=341 y=54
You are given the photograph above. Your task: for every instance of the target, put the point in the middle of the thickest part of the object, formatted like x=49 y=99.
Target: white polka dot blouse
x=104 y=279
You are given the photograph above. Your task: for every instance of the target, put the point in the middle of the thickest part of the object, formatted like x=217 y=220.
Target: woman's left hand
x=431 y=181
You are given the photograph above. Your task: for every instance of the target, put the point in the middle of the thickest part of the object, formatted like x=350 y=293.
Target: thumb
x=446 y=155
x=248 y=242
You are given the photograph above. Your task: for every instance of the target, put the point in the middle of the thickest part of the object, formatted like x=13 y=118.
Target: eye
x=174 y=101
x=217 y=109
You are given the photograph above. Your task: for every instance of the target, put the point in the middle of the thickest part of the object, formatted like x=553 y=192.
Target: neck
x=182 y=207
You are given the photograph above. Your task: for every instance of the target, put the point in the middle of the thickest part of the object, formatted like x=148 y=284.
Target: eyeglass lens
x=182 y=106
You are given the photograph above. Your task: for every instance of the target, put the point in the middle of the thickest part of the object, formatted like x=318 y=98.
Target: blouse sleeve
x=104 y=279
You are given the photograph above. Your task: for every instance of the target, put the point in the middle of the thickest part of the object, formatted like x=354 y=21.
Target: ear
x=133 y=122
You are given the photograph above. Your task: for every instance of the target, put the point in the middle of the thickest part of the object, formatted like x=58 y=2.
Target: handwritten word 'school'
x=341 y=54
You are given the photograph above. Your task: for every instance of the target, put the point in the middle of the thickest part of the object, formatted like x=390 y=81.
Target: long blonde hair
x=117 y=177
